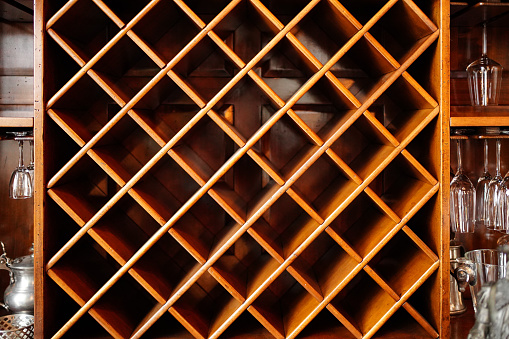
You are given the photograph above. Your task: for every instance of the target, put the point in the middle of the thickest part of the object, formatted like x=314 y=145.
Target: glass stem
x=485 y=155
x=31 y=152
x=20 y=160
x=460 y=167
x=484 y=39
x=498 y=157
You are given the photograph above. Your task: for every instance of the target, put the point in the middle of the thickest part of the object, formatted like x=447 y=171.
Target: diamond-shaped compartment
x=326 y=186
x=83 y=190
x=319 y=36
x=405 y=185
x=405 y=108
x=243 y=268
x=204 y=307
x=82 y=30
x=324 y=267
x=366 y=146
x=283 y=307
x=283 y=228
x=361 y=227
x=402 y=30
x=81 y=276
x=361 y=305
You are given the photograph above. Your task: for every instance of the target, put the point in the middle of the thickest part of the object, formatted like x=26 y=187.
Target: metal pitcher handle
x=4 y=265
x=465 y=273
x=4 y=260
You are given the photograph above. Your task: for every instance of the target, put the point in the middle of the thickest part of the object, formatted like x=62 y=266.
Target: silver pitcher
x=19 y=295
x=462 y=275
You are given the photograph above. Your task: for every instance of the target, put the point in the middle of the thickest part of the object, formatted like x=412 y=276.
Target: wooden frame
x=245 y=229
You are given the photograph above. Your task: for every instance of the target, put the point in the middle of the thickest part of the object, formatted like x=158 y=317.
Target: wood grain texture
x=251 y=166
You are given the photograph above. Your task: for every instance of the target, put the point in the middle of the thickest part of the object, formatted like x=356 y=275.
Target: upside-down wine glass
x=462 y=200
x=481 y=190
x=484 y=77
x=20 y=185
x=497 y=201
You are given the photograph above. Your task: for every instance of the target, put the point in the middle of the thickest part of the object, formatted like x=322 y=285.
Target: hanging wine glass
x=462 y=200
x=497 y=201
x=484 y=77
x=20 y=185
x=481 y=190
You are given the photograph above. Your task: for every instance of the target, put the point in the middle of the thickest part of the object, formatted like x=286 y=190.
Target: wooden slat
x=69 y=47
x=195 y=238
x=421 y=169
x=412 y=311
x=305 y=277
x=421 y=21
x=374 y=304
x=421 y=320
x=417 y=93
x=380 y=128
x=422 y=245
x=110 y=44
x=232 y=275
x=344 y=244
x=190 y=314
x=293 y=192
x=73 y=128
x=139 y=95
x=382 y=205
x=267 y=311
x=230 y=201
x=76 y=207
x=268 y=239
x=381 y=282
x=345 y=319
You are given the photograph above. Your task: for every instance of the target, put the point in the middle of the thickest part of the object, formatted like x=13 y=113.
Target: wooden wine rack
x=240 y=169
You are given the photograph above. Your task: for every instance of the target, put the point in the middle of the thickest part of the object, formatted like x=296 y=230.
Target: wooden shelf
x=241 y=159
x=468 y=116
x=16 y=122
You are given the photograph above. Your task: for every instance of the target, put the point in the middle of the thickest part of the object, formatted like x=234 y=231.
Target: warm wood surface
x=224 y=172
x=479 y=116
x=461 y=324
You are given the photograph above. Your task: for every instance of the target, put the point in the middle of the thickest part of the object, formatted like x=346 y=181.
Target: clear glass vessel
x=462 y=200
x=484 y=78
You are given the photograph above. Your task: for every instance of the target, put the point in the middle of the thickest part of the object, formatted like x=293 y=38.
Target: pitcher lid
x=25 y=262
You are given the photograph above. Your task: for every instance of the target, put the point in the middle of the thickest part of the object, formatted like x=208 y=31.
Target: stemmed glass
x=484 y=77
x=497 y=201
x=462 y=200
x=481 y=190
x=20 y=185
